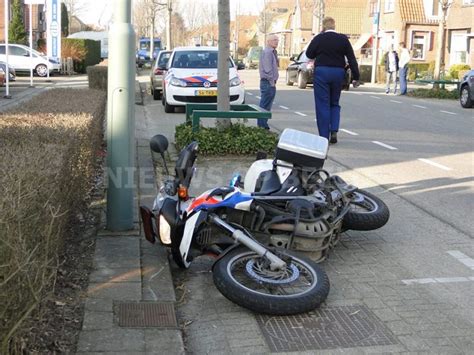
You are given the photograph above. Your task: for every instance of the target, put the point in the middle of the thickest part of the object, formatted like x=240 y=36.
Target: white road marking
x=449 y=113
x=434 y=164
x=349 y=132
x=284 y=107
x=249 y=93
x=385 y=145
x=301 y=114
x=258 y=97
x=439 y=280
x=397 y=102
x=419 y=106
x=375 y=97
x=463 y=258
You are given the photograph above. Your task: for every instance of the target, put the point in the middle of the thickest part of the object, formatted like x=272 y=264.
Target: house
x=38 y=21
x=460 y=33
x=244 y=30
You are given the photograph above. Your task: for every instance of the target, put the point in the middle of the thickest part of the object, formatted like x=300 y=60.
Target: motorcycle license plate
x=205 y=93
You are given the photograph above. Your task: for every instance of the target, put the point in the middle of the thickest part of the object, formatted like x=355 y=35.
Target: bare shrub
x=49 y=148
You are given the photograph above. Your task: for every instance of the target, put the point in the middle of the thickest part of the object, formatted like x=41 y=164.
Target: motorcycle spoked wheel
x=245 y=278
x=367 y=212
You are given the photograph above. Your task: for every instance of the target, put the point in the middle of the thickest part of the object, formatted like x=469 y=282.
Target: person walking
x=268 y=68
x=403 y=64
x=391 y=69
x=329 y=50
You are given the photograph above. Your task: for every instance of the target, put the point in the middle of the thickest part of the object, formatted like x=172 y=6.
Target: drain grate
x=146 y=314
x=328 y=328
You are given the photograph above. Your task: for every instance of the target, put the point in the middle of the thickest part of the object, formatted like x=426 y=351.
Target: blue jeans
x=327 y=91
x=267 y=95
x=403 y=80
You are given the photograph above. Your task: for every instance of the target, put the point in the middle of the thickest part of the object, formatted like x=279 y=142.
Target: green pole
x=121 y=119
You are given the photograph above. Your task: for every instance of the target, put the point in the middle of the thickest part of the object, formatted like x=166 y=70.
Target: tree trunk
x=223 y=100
x=445 y=4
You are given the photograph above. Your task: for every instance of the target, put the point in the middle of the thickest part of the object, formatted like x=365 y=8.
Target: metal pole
x=168 y=26
x=31 y=43
x=375 y=42
x=121 y=119
x=7 y=74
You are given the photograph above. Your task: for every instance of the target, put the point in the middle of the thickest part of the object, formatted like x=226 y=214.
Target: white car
x=192 y=78
x=19 y=59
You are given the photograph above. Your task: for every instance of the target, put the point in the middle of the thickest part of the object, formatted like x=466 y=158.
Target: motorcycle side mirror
x=159 y=144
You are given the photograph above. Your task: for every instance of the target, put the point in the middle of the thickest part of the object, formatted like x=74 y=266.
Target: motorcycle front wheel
x=367 y=212
x=245 y=278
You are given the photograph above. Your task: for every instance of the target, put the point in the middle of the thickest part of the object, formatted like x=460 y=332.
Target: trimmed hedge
x=84 y=52
x=238 y=139
x=49 y=151
x=97 y=76
x=434 y=94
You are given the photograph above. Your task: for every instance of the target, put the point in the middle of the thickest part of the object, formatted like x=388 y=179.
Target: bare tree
x=439 y=62
x=74 y=9
x=223 y=101
x=210 y=15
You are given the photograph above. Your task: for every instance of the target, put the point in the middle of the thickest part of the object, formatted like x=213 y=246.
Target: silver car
x=3 y=67
x=158 y=71
x=466 y=90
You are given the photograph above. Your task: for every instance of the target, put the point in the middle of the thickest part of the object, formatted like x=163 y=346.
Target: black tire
x=156 y=94
x=465 y=97
x=260 y=296
x=168 y=108
x=301 y=81
x=367 y=212
x=288 y=81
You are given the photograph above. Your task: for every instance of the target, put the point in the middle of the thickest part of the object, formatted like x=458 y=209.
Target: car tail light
x=158 y=71
x=310 y=64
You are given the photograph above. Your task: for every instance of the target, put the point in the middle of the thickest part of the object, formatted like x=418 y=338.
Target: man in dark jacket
x=329 y=50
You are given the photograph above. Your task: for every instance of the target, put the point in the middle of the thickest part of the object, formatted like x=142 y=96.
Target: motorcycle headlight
x=235 y=81
x=164 y=231
x=177 y=82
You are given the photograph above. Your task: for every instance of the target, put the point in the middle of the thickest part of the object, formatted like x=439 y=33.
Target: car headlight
x=177 y=82
x=235 y=81
x=164 y=231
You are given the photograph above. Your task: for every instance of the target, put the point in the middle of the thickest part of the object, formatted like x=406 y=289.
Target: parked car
x=3 y=66
x=466 y=90
x=252 y=58
x=301 y=71
x=2 y=77
x=192 y=77
x=157 y=74
x=19 y=59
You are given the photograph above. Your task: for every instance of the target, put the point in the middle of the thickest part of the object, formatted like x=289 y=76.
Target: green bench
x=441 y=82
x=194 y=113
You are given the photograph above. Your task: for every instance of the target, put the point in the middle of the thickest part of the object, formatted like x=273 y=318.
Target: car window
x=17 y=51
x=2 y=49
x=163 y=60
x=197 y=60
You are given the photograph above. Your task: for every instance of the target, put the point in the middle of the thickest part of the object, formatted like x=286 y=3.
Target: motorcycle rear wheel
x=367 y=212
x=244 y=278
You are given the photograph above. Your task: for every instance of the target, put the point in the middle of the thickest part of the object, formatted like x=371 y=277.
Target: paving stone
x=413 y=343
x=115 y=290
x=98 y=320
x=115 y=275
x=164 y=341
x=111 y=340
x=98 y=305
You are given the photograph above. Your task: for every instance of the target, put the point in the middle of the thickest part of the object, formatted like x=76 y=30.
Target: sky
x=99 y=12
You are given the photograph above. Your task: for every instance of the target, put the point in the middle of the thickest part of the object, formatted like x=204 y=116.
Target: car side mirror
x=240 y=66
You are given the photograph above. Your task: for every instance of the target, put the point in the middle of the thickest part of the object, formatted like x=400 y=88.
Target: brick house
x=38 y=21
x=460 y=33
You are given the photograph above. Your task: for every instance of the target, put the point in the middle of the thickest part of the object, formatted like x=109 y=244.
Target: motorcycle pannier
x=302 y=149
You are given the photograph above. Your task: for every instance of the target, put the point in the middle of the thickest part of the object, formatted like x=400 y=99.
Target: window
x=468 y=2
x=372 y=7
x=197 y=60
x=458 y=48
x=389 y=5
x=419 y=47
x=2 y=49
x=18 y=51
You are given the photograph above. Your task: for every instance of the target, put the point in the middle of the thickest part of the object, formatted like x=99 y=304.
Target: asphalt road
x=420 y=149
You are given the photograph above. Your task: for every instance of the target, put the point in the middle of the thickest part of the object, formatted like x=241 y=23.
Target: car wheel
x=168 y=108
x=465 y=97
x=41 y=70
x=301 y=81
x=156 y=94
x=288 y=81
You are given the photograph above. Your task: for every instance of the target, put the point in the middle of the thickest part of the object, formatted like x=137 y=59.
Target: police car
x=192 y=77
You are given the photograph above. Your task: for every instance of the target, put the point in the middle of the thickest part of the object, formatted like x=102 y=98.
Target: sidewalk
x=130 y=300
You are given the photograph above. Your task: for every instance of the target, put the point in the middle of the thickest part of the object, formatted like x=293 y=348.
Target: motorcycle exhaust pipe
x=275 y=262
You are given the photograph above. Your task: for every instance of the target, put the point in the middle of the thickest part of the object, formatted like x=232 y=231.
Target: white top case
x=303 y=143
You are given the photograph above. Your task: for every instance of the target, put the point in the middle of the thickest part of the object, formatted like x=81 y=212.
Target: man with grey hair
x=330 y=50
x=268 y=67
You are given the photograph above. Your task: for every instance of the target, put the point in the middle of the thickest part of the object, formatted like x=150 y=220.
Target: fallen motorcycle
x=298 y=205
x=262 y=278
